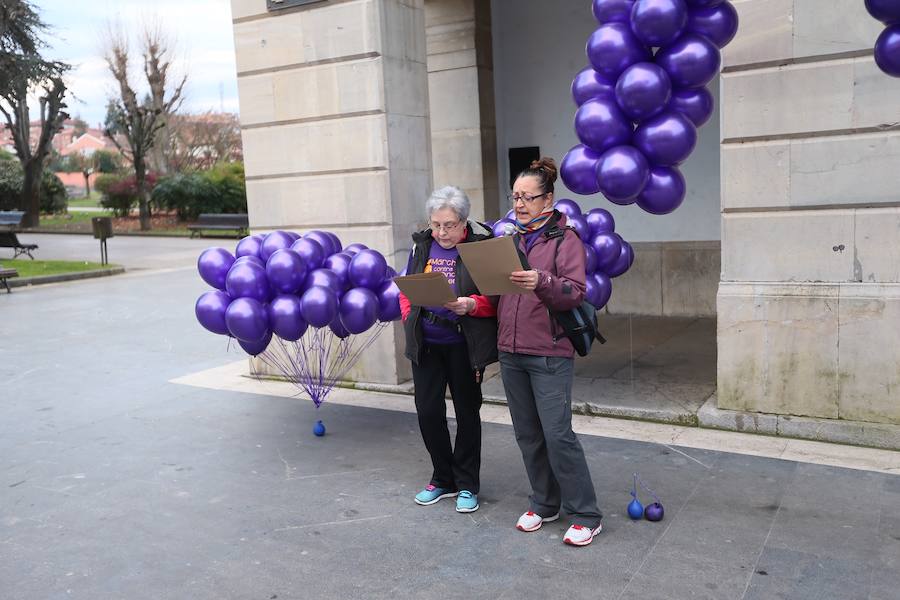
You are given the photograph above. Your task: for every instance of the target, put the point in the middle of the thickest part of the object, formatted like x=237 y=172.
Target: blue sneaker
x=432 y=494
x=466 y=502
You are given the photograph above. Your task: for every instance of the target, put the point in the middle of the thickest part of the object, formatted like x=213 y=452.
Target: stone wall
x=809 y=302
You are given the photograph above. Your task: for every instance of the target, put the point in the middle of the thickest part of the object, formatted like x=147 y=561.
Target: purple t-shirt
x=443 y=261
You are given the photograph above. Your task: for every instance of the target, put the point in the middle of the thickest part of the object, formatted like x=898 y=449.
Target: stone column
x=809 y=299
x=334 y=119
x=461 y=97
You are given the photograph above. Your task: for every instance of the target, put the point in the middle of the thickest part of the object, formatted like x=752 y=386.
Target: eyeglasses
x=527 y=199
x=448 y=227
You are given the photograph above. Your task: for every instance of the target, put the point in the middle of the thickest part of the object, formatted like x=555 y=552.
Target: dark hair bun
x=548 y=166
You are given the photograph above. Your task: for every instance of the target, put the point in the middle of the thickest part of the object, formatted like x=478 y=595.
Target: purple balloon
x=388 y=301
x=249 y=246
x=600 y=125
x=319 y=306
x=667 y=139
x=499 y=227
x=213 y=266
x=339 y=264
x=696 y=104
x=579 y=224
x=579 y=170
x=367 y=269
x=286 y=271
x=887 y=51
x=335 y=242
x=624 y=262
x=718 y=23
x=324 y=240
x=600 y=220
x=658 y=23
x=643 y=90
x=886 y=11
x=247 y=320
x=250 y=259
x=621 y=174
x=612 y=48
x=692 y=61
x=590 y=258
x=510 y=214
x=568 y=207
x=353 y=249
x=359 y=309
x=247 y=280
x=603 y=289
x=310 y=251
x=258 y=347
x=590 y=84
x=608 y=246
x=324 y=278
x=612 y=11
x=210 y=311
x=285 y=318
x=276 y=240
x=338 y=329
x=664 y=192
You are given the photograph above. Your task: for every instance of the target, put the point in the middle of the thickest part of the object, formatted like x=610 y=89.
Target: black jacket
x=480 y=332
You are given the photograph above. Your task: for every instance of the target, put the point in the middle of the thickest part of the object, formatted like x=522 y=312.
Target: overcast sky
x=201 y=28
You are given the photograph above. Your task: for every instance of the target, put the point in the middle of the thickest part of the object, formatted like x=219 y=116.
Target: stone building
x=352 y=110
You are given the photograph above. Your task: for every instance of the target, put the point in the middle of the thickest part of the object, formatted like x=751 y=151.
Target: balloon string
x=646 y=487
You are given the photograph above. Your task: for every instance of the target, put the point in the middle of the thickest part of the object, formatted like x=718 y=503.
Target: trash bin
x=102 y=227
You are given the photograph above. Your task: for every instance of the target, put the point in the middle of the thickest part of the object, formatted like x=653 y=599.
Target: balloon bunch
x=606 y=254
x=309 y=294
x=636 y=510
x=639 y=108
x=887 y=46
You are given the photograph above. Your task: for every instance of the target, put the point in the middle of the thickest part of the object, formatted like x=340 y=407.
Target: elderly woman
x=536 y=359
x=449 y=345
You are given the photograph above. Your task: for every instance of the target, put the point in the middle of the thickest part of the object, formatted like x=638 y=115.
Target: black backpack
x=579 y=324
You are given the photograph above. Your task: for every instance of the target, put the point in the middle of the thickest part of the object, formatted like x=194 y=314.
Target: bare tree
x=203 y=140
x=22 y=72
x=158 y=50
x=139 y=122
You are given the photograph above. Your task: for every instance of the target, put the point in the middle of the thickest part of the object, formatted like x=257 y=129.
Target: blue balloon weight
x=589 y=84
x=658 y=23
x=635 y=509
x=319 y=429
x=285 y=318
x=613 y=47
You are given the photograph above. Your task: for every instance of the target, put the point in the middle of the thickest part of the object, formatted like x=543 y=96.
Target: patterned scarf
x=534 y=224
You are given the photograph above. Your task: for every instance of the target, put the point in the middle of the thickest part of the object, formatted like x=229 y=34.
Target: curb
x=26 y=281
x=129 y=234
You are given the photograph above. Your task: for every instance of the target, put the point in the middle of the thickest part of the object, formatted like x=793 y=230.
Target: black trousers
x=442 y=365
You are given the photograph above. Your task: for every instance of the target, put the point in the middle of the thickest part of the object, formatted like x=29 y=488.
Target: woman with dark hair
x=536 y=359
x=449 y=345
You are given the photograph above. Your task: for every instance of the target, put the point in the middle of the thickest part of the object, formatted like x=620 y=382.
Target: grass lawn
x=34 y=268
x=92 y=201
x=80 y=222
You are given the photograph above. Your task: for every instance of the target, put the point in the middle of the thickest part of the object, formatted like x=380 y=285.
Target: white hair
x=450 y=197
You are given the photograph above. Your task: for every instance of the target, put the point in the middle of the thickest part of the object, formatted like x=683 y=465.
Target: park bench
x=6 y=274
x=220 y=222
x=10 y=222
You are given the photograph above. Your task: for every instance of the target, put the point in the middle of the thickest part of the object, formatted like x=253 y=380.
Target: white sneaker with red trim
x=532 y=521
x=579 y=535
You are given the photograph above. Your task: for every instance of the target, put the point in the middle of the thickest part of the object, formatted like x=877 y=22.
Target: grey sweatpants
x=539 y=394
